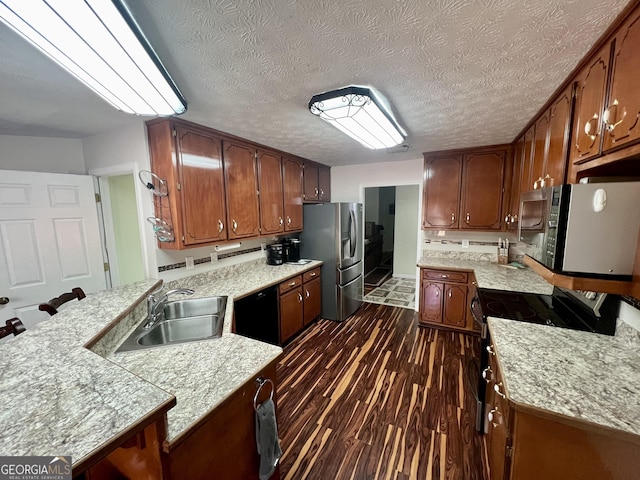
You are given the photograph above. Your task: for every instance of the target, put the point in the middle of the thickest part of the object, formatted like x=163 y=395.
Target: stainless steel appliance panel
x=349 y=298
x=349 y=223
x=602 y=241
x=348 y=274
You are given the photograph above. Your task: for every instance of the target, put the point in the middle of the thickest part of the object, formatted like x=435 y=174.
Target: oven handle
x=483 y=325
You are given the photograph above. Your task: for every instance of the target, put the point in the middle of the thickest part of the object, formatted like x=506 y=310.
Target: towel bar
x=261 y=383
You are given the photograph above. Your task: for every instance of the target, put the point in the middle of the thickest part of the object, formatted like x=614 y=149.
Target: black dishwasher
x=256 y=316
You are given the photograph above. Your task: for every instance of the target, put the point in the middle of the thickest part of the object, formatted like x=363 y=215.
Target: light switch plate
x=465 y=243
x=189 y=262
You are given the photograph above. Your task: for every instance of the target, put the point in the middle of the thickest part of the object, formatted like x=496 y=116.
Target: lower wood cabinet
x=222 y=444
x=300 y=303
x=444 y=299
x=524 y=443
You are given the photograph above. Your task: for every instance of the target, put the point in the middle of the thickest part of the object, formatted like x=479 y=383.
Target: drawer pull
x=444 y=276
x=312 y=274
x=299 y=298
x=496 y=388
x=485 y=374
x=307 y=294
x=490 y=350
x=292 y=284
x=492 y=415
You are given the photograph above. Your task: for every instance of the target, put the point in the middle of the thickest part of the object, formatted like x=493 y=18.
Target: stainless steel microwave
x=587 y=228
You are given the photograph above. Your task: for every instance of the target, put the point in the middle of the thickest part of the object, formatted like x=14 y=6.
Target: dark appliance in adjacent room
x=256 y=316
x=333 y=233
x=577 y=310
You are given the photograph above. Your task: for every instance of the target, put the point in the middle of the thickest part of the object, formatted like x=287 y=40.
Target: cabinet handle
x=491 y=416
x=281 y=221
x=496 y=388
x=234 y=226
x=321 y=193
x=444 y=276
x=312 y=274
x=449 y=293
x=485 y=374
x=220 y=226
x=507 y=219
x=591 y=127
x=610 y=114
x=538 y=183
x=316 y=190
x=467 y=218
x=288 y=220
x=514 y=218
x=453 y=218
x=292 y=284
x=490 y=350
x=307 y=294
x=299 y=298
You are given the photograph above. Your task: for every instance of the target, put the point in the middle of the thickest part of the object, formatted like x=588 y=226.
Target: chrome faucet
x=155 y=306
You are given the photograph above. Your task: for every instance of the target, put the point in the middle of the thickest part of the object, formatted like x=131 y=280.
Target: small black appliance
x=275 y=254
x=291 y=250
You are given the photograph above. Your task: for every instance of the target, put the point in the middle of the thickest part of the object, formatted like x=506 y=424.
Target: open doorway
x=391 y=244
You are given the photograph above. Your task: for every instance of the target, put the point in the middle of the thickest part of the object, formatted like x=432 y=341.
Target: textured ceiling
x=457 y=73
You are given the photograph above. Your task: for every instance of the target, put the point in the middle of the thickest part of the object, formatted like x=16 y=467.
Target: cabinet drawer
x=311 y=274
x=291 y=283
x=445 y=276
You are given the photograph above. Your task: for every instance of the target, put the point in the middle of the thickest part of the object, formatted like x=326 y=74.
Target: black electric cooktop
x=558 y=310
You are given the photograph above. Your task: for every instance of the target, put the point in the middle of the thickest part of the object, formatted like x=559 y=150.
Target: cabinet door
x=590 y=94
x=526 y=183
x=291 y=310
x=292 y=179
x=241 y=180
x=312 y=300
x=455 y=305
x=271 y=193
x=623 y=112
x=441 y=192
x=324 y=184
x=540 y=147
x=201 y=186
x=511 y=218
x=431 y=302
x=482 y=185
x=311 y=190
x=559 y=131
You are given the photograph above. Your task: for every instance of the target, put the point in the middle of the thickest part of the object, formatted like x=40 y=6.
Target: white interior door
x=49 y=241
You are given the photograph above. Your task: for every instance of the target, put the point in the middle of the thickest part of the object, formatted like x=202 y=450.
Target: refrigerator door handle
x=353 y=233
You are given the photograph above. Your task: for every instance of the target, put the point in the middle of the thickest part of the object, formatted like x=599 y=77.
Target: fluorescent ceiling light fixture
x=98 y=42
x=357 y=112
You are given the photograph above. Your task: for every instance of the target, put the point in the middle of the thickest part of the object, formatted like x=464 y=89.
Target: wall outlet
x=189 y=262
x=465 y=243
x=214 y=257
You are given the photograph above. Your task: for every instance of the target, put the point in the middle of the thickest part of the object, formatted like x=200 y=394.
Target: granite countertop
x=58 y=398
x=228 y=361
x=62 y=398
x=580 y=375
x=492 y=275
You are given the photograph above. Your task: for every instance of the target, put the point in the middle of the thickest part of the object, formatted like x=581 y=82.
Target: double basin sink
x=183 y=321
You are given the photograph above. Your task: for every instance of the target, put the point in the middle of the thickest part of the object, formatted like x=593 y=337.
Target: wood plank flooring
x=376 y=397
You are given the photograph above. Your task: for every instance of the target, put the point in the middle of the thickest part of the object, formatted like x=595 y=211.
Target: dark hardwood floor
x=376 y=397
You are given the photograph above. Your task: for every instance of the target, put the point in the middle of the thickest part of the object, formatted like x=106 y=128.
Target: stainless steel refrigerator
x=333 y=233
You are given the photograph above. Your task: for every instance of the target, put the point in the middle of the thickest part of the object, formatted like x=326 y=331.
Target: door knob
x=4 y=300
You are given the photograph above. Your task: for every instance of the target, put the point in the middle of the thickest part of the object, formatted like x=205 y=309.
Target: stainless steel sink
x=184 y=321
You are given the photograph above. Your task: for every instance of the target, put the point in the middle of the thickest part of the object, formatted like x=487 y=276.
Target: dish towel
x=267 y=439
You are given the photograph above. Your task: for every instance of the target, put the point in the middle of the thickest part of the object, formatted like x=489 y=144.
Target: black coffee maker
x=275 y=254
x=291 y=250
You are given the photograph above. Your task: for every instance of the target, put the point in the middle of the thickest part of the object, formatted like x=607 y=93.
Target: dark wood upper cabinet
x=622 y=116
x=540 y=148
x=271 y=193
x=202 y=186
x=441 y=195
x=241 y=180
x=559 y=133
x=589 y=105
x=482 y=188
x=324 y=184
x=526 y=181
x=293 y=190
x=511 y=217
x=311 y=188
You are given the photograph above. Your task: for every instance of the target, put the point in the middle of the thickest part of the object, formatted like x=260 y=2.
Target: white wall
x=120 y=151
x=405 y=250
x=42 y=154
